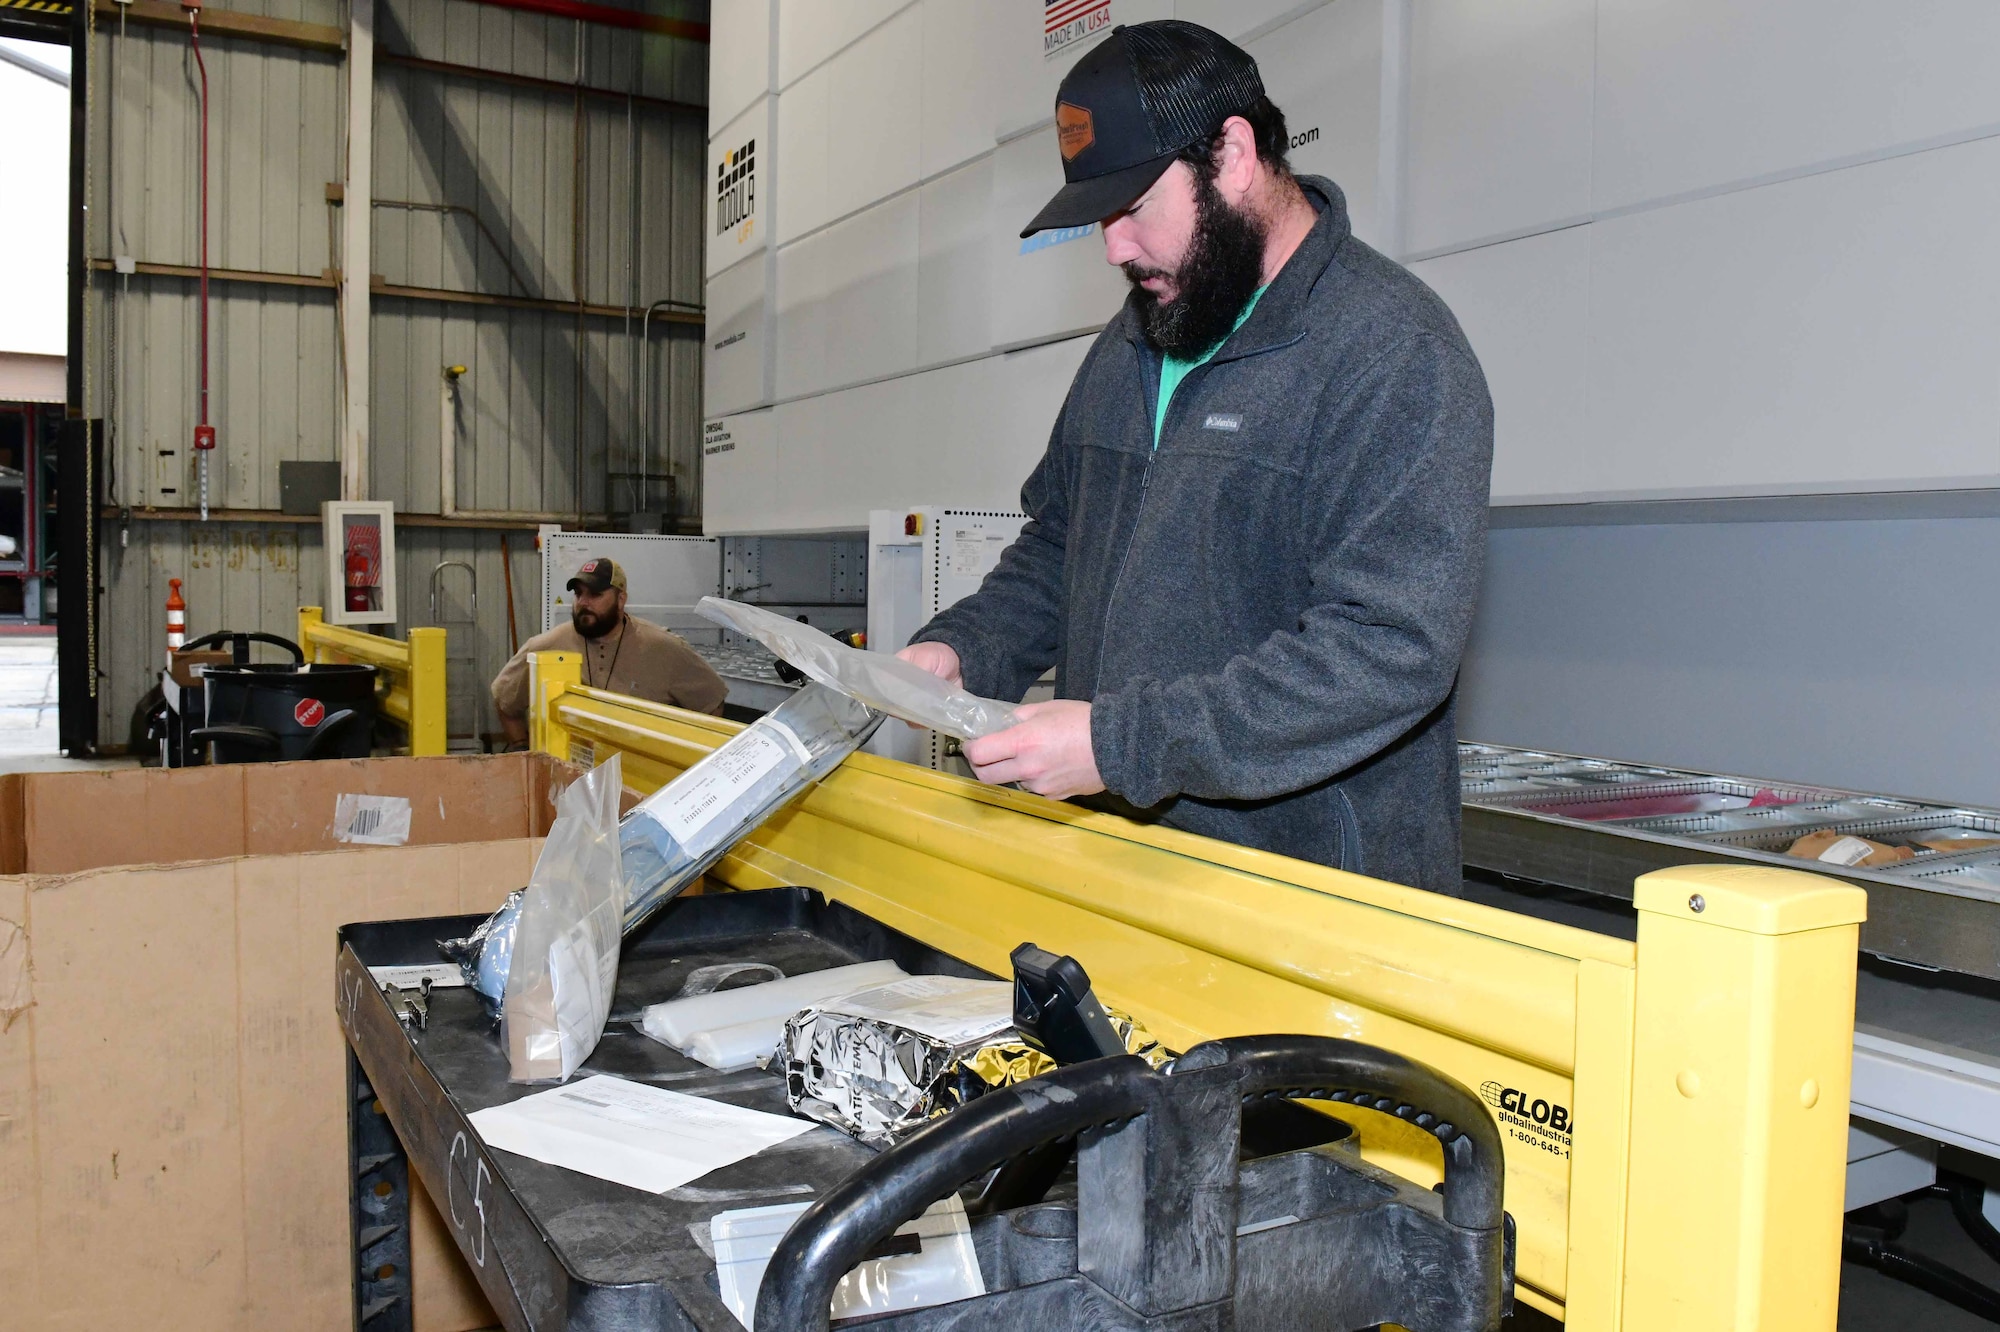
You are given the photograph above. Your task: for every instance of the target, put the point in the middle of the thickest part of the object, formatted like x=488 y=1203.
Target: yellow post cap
x=1752 y=898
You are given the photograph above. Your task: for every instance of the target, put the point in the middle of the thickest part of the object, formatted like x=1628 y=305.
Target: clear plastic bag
x=484 y=955
x=564 y=961
x=944 y=1269
x=885 y=683
x=680 y=830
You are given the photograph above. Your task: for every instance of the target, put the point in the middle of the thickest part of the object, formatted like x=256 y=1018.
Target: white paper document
x=642 y=1137
x=944 y=1008
x=441 y=975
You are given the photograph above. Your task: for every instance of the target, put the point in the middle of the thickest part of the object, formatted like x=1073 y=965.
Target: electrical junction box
x=921 y=560
x=664 y=576
x=360 y=561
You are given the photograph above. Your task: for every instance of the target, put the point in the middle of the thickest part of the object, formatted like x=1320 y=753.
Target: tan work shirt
x=637 y=658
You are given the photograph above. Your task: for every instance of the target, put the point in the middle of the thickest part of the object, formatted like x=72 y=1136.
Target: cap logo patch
x=1074 y=131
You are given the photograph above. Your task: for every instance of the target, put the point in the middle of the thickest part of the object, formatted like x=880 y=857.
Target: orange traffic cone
x=176 y=619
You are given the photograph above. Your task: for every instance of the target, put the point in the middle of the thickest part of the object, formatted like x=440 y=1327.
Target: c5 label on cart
x=1533 y=1120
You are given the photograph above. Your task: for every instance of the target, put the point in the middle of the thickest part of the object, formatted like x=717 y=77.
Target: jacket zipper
x=1150 y=379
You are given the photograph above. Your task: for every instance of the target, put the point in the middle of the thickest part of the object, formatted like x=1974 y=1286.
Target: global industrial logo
x=736 y=190
x=1066 y=22
x=1534 y=1121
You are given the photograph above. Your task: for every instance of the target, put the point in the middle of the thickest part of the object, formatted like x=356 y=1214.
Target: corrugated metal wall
x=239 y=575
x=549 y=416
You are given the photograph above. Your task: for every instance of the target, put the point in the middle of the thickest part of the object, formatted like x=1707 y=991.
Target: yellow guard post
x=1673 y=1110
x=414 y=672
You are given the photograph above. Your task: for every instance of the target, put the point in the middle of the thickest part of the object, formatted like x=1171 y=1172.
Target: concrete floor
x=27 y=696
x=28 y=708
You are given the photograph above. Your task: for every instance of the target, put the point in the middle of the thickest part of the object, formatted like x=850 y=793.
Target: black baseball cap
x=1145 y=93
x=596 y=575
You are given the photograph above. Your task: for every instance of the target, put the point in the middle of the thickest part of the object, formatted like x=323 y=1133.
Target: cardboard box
x=62 y=822
x=181 y=664
x=173 y=1142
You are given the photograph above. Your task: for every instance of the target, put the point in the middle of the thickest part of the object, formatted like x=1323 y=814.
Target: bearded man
x=1256 y=536
x=621 y=654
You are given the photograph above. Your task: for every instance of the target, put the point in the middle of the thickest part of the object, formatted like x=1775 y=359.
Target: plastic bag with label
x=671 y=838
x=885 y=683
x=676 y=833
x=564 y=960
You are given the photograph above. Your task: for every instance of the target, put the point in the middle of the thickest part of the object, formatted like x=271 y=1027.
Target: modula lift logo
x=1067 y=21
x=736 y=190
x=1540 y=1124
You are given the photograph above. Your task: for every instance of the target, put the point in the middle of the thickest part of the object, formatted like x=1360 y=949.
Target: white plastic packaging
x=564 y=963
x=884 y=682
x=743 y=1025
x=945 y=1269
x=744 y=1045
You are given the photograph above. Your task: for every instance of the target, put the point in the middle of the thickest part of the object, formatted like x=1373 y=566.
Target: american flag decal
x=1068 y=21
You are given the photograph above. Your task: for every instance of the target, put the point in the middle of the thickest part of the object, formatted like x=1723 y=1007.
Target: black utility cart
x=1175 y=1215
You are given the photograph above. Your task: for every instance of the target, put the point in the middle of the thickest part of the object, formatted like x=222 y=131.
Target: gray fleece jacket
x=1267 y=614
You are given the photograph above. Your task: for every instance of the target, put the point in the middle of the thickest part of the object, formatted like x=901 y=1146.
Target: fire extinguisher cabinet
x=360 y=561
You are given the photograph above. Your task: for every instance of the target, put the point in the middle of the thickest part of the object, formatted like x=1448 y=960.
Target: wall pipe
x=204 y=433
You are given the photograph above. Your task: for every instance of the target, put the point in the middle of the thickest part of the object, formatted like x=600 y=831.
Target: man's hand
x=940 y=659
x=1048 y=753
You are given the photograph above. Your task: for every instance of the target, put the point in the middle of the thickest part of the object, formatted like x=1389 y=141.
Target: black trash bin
x=262 y=713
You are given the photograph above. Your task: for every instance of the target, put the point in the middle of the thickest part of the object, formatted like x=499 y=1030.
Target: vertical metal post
x=428 y=697
x=310 y=618
x=356 y=256
x=79 y=481
x=1743 y=1045
x=549 y=675
x=379 y=1211
x=77 y=467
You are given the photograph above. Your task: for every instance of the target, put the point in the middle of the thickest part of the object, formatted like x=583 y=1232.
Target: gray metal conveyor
x=1927 y=1005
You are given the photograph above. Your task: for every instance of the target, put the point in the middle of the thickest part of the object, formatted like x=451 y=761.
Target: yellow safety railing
x=1674 y=1110
x=411 y=674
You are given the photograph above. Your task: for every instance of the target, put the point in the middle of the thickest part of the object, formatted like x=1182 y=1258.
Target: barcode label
x=706 y=791
x=1846 y=851
x=371 y=820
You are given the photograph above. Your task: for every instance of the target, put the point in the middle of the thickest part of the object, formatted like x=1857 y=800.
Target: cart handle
x=842 y=1227
x=328 y=732
x=239 y=644
x=1324 y=1068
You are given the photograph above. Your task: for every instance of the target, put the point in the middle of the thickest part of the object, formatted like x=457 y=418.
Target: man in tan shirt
x=621 y=654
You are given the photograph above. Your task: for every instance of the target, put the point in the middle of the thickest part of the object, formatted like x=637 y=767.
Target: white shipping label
x=1846 y=851
x=944 y=1008
x=371 y=820
x=975 y=551
x=704 y=793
